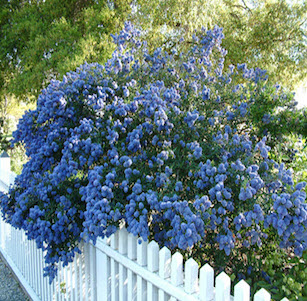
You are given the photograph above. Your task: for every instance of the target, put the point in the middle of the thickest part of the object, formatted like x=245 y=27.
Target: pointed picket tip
x=242 y=291
x=153 y=256
x=285 y=299
x=177 y=269
x=222 y=290
x=165 y=256
x=191 y=276
x=262 y=295
x=206 y=282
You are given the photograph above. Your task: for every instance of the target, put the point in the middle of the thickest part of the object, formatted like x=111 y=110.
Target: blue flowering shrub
x=161 y=141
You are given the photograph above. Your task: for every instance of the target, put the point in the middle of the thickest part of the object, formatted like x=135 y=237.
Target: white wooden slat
x=122 y=249
x=153 y=266
x=27 y=260
x=132 y=254
x=31 y=270
x=165 y=257
x=68 y=279
x=40 y=275
x=66 y=284
x=122 y=241
x=191 y=276
x=40 y=267
x=36 y=271
x=63 y=283
x=19 y=248
x=114 y=269
x=59 y=280
x=103 y=276
x=142 y=261
x=142 y=252
x=285 y=299
x=57 y=285
x=93 y=272
x=34 y=260
x=24 y=254
x=176 y=271
x=45 y=284
x=51 y=291
x=75 y=278
x=122 y=277
x=132 y=246
x=80 y=266
x=262 y=295
x=242 y=291
x=222 y=287
x=153 y=256
x=86 y=271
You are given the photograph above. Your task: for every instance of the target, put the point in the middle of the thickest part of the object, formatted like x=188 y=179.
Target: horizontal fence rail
x=122 y=267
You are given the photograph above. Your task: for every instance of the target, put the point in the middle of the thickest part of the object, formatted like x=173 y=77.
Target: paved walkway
x=10 y=289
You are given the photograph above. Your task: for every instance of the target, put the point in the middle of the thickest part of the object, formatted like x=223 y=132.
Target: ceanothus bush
x=162 y=141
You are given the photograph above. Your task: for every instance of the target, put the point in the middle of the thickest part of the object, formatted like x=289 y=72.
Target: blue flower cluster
x=159 y=141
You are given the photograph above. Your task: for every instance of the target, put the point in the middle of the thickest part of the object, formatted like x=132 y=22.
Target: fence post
x=5 y=168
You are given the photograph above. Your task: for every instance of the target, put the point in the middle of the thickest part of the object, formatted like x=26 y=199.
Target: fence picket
x=122 y=249
x=114 y=269
x=87 y=271
x=103 y=276
x=132 y=245
x=191 y=276
x=75 y=280
x=176 y=271
x=242 y=291
x=93 y=280
x=206 y=285
x=262 y=295
x=142 y=261
x=164 y=270
x=222 y=289
x=153 y=266
x=80 y=265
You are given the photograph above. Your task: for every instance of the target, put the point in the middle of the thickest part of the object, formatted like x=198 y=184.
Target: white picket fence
x=122 y=267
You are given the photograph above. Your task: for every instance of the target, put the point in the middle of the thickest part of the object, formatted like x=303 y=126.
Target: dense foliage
x=42 y=40
x=270 y=34
x=166 y=143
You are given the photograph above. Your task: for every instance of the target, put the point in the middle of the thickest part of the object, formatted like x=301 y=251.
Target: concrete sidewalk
x=10 y=289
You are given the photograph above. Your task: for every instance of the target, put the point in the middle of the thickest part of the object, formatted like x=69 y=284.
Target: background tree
x=41 y=40
x=269 y=34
